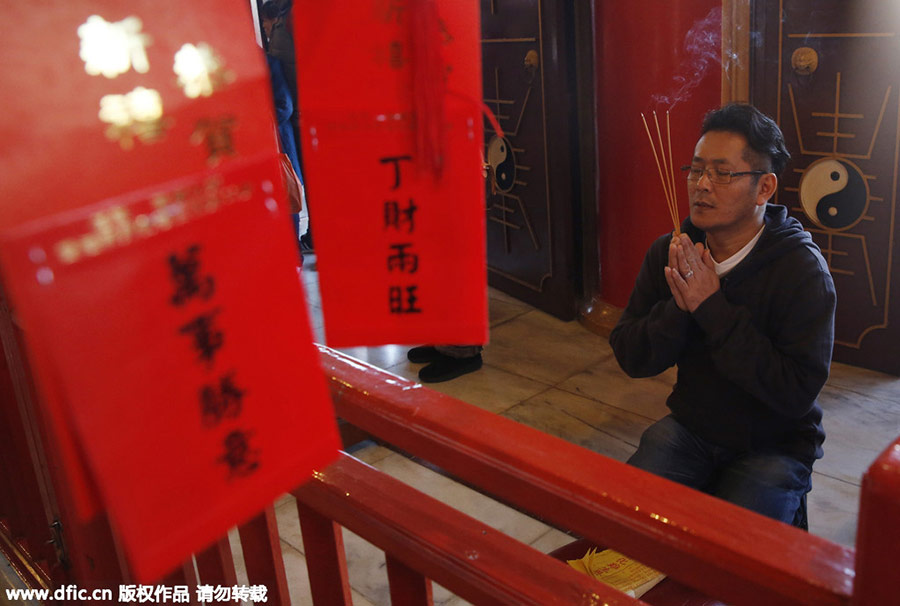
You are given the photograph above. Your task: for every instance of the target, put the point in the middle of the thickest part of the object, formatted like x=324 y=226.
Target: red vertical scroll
x=183 y=354
x=147 y=254
x=392 y=133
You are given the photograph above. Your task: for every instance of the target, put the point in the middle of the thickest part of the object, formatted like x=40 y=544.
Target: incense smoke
x=702 y=51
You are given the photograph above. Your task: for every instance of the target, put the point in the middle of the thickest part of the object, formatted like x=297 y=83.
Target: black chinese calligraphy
x=208 y=339
x=402 y=260
x=222 y=401
x=392 y=10
x=398 y=217
x=240 y=457
x=395 y=160
x=446 y=36
x=403 y=299
x=397 y=60
x=222 y=397
x=184 y=270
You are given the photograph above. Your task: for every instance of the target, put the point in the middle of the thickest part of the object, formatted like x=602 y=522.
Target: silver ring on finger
x=689 y=274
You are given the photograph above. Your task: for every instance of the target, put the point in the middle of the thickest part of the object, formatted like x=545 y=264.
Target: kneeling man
x=743 y=303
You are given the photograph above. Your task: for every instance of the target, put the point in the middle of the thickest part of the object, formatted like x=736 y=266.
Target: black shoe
x=446 y=368
x=306 y=244
x=420 y=355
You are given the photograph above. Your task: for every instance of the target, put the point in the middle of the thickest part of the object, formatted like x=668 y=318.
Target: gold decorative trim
x=780 y=51
x=549 y=273
x=735 y=51
x=536 y=288
x=22 y=563
x=837 y=114
x=548 y=270
x=861 y=35
x=599 y=317
x=487 y=40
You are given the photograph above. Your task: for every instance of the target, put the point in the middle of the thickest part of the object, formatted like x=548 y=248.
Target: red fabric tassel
x=492 y=119
x=429 y=86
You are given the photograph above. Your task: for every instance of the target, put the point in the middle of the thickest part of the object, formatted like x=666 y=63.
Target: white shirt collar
x=728 y=264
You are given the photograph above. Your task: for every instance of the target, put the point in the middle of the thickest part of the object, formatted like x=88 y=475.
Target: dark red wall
x=652 y=55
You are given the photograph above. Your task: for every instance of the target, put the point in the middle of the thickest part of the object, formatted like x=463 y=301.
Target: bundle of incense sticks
x=666 y=169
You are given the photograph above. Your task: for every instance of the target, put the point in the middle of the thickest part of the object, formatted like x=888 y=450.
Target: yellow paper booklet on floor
x=619 y=571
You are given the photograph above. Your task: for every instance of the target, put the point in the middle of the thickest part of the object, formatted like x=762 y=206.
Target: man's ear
x=766 y=188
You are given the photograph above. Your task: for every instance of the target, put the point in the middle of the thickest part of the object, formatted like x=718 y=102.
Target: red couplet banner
x=391 y=124
x=146 y=251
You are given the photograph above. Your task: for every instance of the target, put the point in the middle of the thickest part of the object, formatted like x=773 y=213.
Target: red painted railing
x=715 y=548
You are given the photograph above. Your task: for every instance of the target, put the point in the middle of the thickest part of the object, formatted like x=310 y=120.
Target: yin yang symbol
x=503 y=163
x=834 y=194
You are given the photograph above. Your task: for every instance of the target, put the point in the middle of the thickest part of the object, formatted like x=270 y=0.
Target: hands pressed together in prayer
x=691 y=274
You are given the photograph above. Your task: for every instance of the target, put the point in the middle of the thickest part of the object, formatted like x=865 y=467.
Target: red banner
x=146 y=250
x=391 y=125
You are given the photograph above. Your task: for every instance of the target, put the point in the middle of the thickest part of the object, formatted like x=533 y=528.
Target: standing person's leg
x=459 y=351
x=768 y=483
x=669 y=450
x=451 y=361
x=429 y=353
x=295 y=221
x=422 y=354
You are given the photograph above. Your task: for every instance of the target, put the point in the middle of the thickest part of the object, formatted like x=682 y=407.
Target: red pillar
x=878 y=531
x=652 y=55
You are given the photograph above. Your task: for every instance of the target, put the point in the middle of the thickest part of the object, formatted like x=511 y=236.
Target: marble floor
x=562 y=379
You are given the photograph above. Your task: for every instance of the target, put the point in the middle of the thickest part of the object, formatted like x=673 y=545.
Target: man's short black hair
x=763 y=136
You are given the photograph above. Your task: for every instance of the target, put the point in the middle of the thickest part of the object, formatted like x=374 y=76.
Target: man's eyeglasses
x=717 y=176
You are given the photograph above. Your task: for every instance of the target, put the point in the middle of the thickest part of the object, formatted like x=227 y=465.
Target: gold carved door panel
x=529 y=206
x=830 y=74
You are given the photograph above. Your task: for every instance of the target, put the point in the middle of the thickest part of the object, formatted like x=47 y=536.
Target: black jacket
x=753 y=356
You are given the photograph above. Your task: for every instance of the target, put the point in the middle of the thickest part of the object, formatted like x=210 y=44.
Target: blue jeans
x=769 y=483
